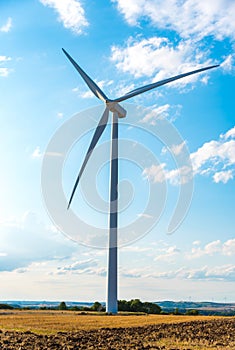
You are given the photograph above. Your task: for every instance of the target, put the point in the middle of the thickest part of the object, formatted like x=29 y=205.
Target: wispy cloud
x=158 y=58
x=168 y=254
x=189 y=18
x=88 y=267
x=38 y=154
x=221 y=273
x=7 y=26
x=78 y=266
x=158 y=173
x=228 y=63
x=4 y=71
x=71 y=14
x=155 y=114
x=224 y=273
x=215 y=247
x=4 y=59
x=215 y=158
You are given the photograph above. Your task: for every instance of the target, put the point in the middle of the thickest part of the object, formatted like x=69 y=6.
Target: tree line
x=133 y=305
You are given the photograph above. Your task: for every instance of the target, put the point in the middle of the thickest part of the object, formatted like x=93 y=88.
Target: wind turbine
x=118 y=112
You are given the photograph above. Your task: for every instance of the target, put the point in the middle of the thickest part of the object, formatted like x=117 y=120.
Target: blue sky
x=122 y=45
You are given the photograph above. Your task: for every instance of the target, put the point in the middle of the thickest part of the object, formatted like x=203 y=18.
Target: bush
x=192 y=312
x=62 y=306
x=75 y=308
x=177 y=312
x=96 y=306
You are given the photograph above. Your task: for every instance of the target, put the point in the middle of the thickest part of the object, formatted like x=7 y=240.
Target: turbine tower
x=117 y=112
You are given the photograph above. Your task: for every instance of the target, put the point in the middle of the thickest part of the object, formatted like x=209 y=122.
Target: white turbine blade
x=90 y=83
x=159 y=83
x=98 y=132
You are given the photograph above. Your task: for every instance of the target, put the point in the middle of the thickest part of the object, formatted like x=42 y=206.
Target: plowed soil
x=200 y=334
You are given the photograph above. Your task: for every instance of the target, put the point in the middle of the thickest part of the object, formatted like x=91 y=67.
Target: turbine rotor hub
x=115 y=107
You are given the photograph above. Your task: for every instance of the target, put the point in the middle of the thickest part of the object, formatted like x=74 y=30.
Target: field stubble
x=26 y=330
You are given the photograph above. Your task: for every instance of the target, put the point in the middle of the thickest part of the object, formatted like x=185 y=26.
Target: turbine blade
x=160 y=83
x=90 y=83
x=98 y=132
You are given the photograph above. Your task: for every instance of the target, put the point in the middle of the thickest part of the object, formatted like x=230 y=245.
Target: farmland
x=72 y=330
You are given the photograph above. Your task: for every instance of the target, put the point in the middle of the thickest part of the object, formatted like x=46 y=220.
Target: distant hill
x=36 y=304
x=204 y=308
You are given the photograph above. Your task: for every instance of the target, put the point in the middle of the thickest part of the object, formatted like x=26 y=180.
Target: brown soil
x=212 y=334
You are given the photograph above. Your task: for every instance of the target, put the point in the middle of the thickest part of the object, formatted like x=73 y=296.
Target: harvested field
x=114 y=332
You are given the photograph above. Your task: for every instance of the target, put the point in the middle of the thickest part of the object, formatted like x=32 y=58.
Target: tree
x=151 y=308
x=96 y=306
x=136 y=305
x=62 y=306
x=192 y=312
x=177 y=312
x=123 y=305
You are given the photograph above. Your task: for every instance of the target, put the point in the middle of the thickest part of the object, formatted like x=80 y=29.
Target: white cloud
x=223 y=273
x=227 y=64
x=79 y=265
x=223 y=176
x=215 y=247
x=156 y=113
x=7 y=26
x=87 y=267
x=3 y=254
x=159 y=174
x=155 y=173
x=186 y=17
x=216 y=158
x=4 y=58
x=229 y=134
x=71 y=14
x=180 y=176
x=177 y=149
x=4 y=72
x=133 y=273
x=168 y=254
x=220 y=273
x=158 y=58
x=229 y=247
x=36 y=153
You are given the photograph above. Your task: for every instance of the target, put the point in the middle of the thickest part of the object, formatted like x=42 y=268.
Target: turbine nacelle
x=115 y=107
